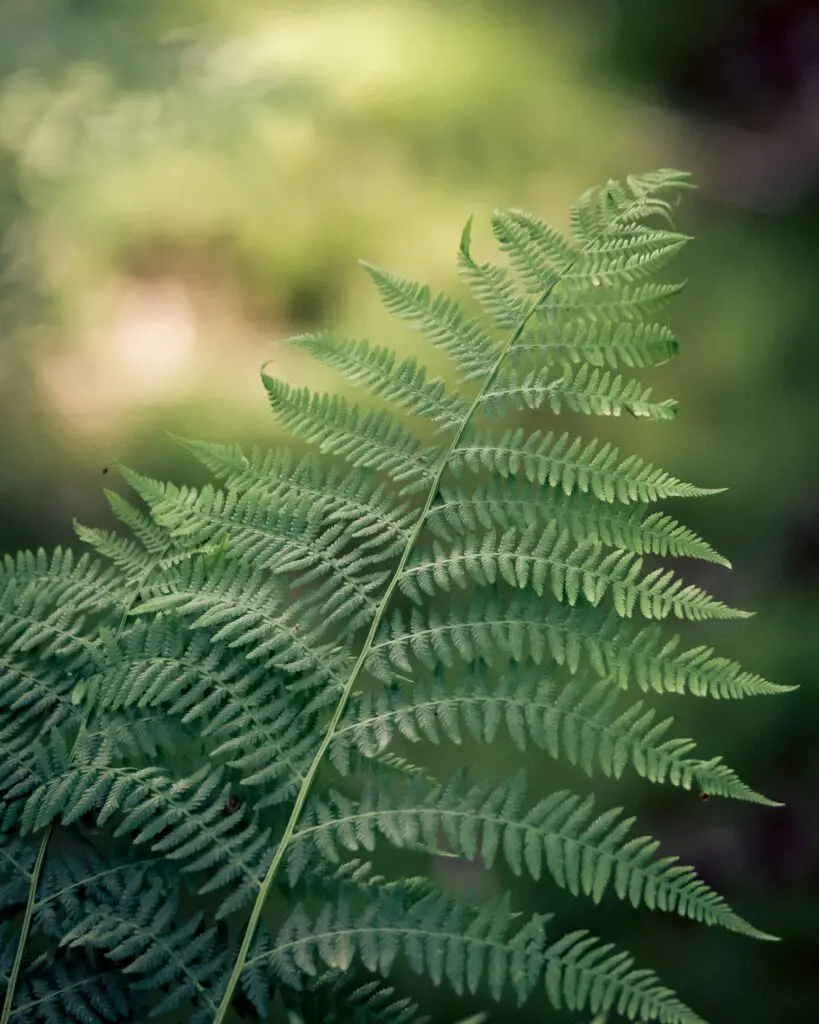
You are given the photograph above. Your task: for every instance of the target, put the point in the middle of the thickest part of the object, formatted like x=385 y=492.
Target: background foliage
x=184 y=183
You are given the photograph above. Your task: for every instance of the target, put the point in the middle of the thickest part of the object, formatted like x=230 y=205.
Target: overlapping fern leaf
x=215 y=729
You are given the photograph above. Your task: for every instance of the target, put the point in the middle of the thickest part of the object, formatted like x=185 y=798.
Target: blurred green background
x=185 y=183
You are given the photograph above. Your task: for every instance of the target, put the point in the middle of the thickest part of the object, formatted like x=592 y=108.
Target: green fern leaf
x=440 y=320
x=404 y=384
x=226 y=709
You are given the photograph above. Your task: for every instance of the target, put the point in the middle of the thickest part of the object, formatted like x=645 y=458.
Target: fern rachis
x=232 y=694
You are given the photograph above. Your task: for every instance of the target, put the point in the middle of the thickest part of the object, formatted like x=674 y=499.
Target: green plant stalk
x=27 y=916
x=304 y=791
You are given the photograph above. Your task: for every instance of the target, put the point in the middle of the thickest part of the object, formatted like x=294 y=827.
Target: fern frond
x=225 y=711
x=614 y=206
x=369 y=440
x=543 y=559
x=516 y=502
x=538 y=252
x=291 y=537
x=624 y=258
x=442 y=939
x=562 y=461
x=186 y=820
x=612 y=306
x=440 y=320
x=583 y=852
x=523 y=629
x=65 y=991
x=583 y=722
x=331 y=999
x=45 y=603
x=142 y=932
x=349 y=497
x=404 y=384
x=246 y=612
x=492 y=286
x=586 y=391
x=552 y=338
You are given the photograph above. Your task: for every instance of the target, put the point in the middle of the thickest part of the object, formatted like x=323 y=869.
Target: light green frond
x=379 y=371
x=539 y=253
x=493 y=288
x=585 y=390
x=613 y=306
x=440 y=320
x=516 y=502
x=562 y=461
x=489 y=629
x=546 y=560
x=614 y=206
x=623 y=258
x=152 y=537
x=369 y=440
x=553 y=338
x=583 y=972
x=150 y=490
x=127 y=555
x=654 y=663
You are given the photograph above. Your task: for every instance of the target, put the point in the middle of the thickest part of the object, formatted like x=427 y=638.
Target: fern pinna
x=212 y=727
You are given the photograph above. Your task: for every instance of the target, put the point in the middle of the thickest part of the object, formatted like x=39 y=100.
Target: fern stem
x=327 y=739
x=37 y=870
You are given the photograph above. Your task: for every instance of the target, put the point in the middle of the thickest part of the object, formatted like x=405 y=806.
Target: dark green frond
x=349 y=497
x=346 y=570
x=445 y=940
x=586 y=722
x=583 y=851
x=47 y=603
x=331 y=999
x=69 y=991
x=143 y=932
x=217 y=719
x=248 y=613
